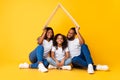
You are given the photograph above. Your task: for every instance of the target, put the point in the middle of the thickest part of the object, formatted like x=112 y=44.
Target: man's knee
x=84 y=45
x=74 y=59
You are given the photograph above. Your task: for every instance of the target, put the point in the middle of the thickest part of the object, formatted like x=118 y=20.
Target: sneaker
x=102 y=67
x=42 y=68
x=51 y=67
x=66 y=67
x=24 y=65
x=90 y=69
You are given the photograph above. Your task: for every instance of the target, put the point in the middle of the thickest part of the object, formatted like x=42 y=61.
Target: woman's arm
x=41 y=38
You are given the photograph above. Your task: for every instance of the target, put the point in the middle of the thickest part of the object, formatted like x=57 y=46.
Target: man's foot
x=51 y=67
x=66 y=67
x=90 y=69
x=42 y=68
x=24 y=65
x=102 y=67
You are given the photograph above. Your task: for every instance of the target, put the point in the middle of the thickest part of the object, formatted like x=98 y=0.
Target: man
x=80 y=53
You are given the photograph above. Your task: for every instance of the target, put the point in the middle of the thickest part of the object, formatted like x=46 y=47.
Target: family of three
x=61 y=52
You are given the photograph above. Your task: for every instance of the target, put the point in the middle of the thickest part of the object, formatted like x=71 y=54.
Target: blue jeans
x=84 y=58
x=36 y=56
x=51 y=61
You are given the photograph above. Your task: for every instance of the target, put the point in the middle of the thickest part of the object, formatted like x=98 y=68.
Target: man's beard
x=71 y=38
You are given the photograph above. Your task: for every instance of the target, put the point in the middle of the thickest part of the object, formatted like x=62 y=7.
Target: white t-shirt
x=59 y=53
x=47 y=47
x=74 y=47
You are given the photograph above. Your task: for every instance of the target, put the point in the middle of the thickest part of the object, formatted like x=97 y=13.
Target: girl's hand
x=62 y=62
x=58 y=63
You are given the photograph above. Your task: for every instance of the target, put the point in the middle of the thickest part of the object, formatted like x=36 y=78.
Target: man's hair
x=73 y=28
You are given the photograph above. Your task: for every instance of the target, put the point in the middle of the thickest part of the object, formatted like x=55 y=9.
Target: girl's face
x=49 y=34
x=59 y=39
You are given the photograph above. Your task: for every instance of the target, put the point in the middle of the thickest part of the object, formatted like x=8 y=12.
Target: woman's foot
x=90 y=69
x=24 y=65
x=42 y=68
x=102 y=67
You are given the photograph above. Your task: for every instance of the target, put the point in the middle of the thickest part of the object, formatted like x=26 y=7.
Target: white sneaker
x=42 y=68
x=24 y=65
x=90 y=69
x=66 y=67
x=102 y=67
x=51 y=67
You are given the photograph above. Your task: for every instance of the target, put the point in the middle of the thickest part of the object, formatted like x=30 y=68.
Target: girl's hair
x=64 y=44
x=47 y=29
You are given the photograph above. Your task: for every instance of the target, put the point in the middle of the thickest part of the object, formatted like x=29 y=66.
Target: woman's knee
x=40 y=47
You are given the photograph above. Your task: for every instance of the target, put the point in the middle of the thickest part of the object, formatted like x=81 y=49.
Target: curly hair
x=64 y=44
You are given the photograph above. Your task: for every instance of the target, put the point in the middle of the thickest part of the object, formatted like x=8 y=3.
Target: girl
x=60 y=53
x=38 y=56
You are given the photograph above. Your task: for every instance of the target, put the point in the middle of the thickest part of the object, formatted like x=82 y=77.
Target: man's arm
x=81 y=40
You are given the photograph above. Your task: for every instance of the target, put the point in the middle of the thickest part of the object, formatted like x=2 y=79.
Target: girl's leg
x=67 y=61
x=51 y=61
x=66 y=64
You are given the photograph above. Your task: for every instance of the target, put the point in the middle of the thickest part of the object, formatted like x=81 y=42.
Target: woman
x=60 y=57
x=38 y=56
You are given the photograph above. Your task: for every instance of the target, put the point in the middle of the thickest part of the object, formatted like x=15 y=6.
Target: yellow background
x=21 y=23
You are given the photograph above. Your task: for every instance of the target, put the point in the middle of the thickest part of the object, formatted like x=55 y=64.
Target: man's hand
x=77 y=29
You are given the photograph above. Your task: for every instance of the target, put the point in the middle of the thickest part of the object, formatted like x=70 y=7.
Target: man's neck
x=71 y=39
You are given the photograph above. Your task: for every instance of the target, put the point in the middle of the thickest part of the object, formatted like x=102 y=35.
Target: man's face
x=71 y=34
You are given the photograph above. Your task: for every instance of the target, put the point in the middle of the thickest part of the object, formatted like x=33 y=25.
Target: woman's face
x=59 y=39
x=49 y=34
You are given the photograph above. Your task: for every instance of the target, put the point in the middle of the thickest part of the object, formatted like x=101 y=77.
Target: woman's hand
x=44 y=30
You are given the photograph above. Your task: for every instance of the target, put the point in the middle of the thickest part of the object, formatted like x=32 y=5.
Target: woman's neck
x=48 y=40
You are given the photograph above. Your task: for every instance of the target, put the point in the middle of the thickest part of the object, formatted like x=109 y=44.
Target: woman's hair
x=64 y=44
x=47 y=29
